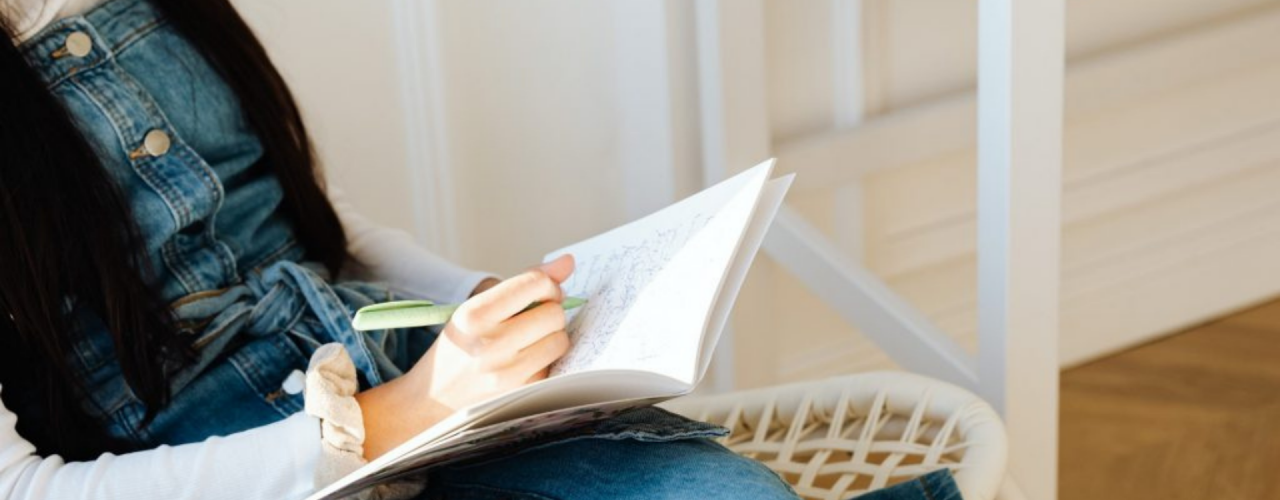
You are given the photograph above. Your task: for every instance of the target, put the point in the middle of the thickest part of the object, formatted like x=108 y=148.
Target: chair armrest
x=844 y=436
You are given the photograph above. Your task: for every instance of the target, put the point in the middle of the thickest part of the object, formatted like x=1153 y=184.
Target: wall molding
x=427 y=146
x=873 y=43
x=848 y=57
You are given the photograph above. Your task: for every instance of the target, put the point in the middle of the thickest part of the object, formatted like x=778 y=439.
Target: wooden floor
x=1192 y=416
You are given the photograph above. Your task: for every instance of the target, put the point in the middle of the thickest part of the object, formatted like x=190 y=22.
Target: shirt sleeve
x=274 y=461
x=391 y=256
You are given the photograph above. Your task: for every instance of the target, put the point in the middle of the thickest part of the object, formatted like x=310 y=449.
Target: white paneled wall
x=549 y=117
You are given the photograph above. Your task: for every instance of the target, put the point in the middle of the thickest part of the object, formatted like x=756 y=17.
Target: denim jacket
x=173 y=137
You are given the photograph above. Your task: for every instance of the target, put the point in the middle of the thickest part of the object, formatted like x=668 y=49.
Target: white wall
x=529 y=115
x=531 y=121
x=340 y=60
x=548 y=113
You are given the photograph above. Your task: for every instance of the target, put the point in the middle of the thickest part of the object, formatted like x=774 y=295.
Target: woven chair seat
x=841 y=437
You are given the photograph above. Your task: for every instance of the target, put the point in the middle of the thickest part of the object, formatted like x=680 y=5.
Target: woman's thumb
x=558 y=269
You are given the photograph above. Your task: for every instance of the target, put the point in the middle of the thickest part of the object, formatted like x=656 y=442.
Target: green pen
x=411 y=313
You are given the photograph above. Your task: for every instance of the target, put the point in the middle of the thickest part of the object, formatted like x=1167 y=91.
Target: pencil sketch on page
x=612 y=281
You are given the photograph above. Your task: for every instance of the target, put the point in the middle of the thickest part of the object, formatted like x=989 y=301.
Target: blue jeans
x=936 y=485
x=624 y=469
x=595 y=468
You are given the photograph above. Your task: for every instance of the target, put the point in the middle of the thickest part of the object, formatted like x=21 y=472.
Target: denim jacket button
x=156 y=143
x=78 y=44
x=294 y=383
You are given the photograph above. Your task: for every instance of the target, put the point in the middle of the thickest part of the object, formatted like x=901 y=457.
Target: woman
x=170 y=264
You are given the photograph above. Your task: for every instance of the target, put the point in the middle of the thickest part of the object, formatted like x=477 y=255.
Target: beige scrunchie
x=330 y=397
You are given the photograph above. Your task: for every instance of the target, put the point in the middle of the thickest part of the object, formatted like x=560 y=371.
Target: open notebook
x=659 y=291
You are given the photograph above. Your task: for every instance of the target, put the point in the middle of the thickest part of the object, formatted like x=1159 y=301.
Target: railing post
x=1019 y=228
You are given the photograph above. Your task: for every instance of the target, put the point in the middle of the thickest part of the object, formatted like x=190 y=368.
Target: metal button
x=156 y=143
x=294 y=383
x=78 y=44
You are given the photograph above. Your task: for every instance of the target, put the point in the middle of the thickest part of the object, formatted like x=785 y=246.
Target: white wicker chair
x=841 y=437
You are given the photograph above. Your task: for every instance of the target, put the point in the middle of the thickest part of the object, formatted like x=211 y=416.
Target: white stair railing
x=1020 y=122
x=866 y=302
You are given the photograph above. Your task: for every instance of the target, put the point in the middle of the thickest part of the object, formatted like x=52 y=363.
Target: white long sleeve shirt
x=274 y=461
x=27 y=17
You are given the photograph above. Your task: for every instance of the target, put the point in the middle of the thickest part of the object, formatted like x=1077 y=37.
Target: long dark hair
x=68 y=240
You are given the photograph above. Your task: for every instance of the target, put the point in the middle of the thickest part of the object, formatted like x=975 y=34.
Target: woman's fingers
x=541 y=354
x=498 y=338
x=487 y=309
x=506 y=299
x=543 y=373
x=526 y=328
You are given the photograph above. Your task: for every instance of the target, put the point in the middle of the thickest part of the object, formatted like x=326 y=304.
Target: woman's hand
x=489 y=347
x=484 y=284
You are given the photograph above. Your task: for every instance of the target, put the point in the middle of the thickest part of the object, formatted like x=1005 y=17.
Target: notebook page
x=770 y=200
x=651 y=284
